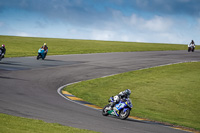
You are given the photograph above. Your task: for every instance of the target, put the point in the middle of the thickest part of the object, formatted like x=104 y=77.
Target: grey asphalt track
x=29 y=87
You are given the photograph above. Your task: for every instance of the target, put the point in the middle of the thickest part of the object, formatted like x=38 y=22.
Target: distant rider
x=122 y=95
x=45 y=49
x=191 y=44
x=3 y=50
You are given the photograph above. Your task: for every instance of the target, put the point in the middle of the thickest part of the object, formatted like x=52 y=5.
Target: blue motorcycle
x=121 y=110
x=41 y=54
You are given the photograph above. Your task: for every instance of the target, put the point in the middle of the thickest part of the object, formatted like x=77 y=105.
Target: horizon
x=92 y=40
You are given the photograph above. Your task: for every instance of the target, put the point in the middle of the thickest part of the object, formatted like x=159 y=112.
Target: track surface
x=29 y=87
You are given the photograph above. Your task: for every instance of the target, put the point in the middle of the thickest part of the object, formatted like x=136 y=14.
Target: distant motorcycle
x=121 y=110
x=41 y=54
x=191 y=47
x=1 y=54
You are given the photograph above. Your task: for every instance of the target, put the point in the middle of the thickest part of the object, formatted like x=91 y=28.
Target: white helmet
x=116 y=98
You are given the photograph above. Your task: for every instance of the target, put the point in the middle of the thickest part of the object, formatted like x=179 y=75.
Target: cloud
x=22 y=34
x=140 y=23
x=125 y=20
x=84 y=9
x=88 y=13
x=103 y=35
x=141 y=29
x=160 y=7
x=158 y=24
x=198 y=24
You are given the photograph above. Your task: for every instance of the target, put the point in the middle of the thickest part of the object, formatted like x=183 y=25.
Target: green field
x=167 y=94
x=13 y=124
x=28 y=46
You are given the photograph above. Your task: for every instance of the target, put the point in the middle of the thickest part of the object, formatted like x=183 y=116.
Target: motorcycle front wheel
x=38 y=57
x=189 y=49
x=104 y=111
x=123 y=115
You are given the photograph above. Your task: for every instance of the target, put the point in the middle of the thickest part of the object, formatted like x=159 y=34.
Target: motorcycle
x=41 y=54
x=191 y=48
x=1 y=55
x=121 y=110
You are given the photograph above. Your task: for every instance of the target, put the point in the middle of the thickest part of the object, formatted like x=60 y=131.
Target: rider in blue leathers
x=45 y=49
x=122 y=95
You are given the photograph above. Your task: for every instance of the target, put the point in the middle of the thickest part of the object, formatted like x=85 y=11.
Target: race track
x=29 y=87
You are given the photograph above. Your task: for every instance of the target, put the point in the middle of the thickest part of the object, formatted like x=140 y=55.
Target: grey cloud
x=175 y=7
x=84 y=12
x=104 y=15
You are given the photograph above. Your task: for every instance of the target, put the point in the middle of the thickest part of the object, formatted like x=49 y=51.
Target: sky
x=151 y=21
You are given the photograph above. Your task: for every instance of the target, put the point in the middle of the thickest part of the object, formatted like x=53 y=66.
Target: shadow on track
x=10 y=63
x=3 y=77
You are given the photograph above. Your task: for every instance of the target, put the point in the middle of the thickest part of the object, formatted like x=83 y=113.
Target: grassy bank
x=167 y=93
x=13 y=124
x=28 y=46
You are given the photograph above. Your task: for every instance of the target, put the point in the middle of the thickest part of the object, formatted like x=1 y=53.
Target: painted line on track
x=80 y=101
x=75 y=99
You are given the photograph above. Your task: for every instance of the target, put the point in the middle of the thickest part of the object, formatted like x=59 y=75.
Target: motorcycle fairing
x=41 y=52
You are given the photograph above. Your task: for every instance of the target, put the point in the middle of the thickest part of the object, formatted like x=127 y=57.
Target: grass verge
x=167 y=94
x=28 y=46
x=13 y=124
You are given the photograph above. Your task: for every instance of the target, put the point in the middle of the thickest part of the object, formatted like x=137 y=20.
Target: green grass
x=166 y=94
x=13 y=124
x=28 y=46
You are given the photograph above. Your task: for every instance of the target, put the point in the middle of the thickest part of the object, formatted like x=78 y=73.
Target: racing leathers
x=191 y=44
x=3 y=51
x=117 y=98
x=45 y=49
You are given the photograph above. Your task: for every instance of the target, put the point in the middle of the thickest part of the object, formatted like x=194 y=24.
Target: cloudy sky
x=159 y=21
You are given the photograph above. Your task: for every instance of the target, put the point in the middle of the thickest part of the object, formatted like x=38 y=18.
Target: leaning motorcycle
x=41 y=54
x=121 y=110
x=1 y=55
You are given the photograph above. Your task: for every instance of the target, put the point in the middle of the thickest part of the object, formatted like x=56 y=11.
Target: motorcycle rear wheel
x=193 y=50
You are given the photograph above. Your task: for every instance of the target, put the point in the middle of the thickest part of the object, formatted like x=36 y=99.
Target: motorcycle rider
x=45 y=49
x=122 y=95
x=3 y=50
x=191 y=44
